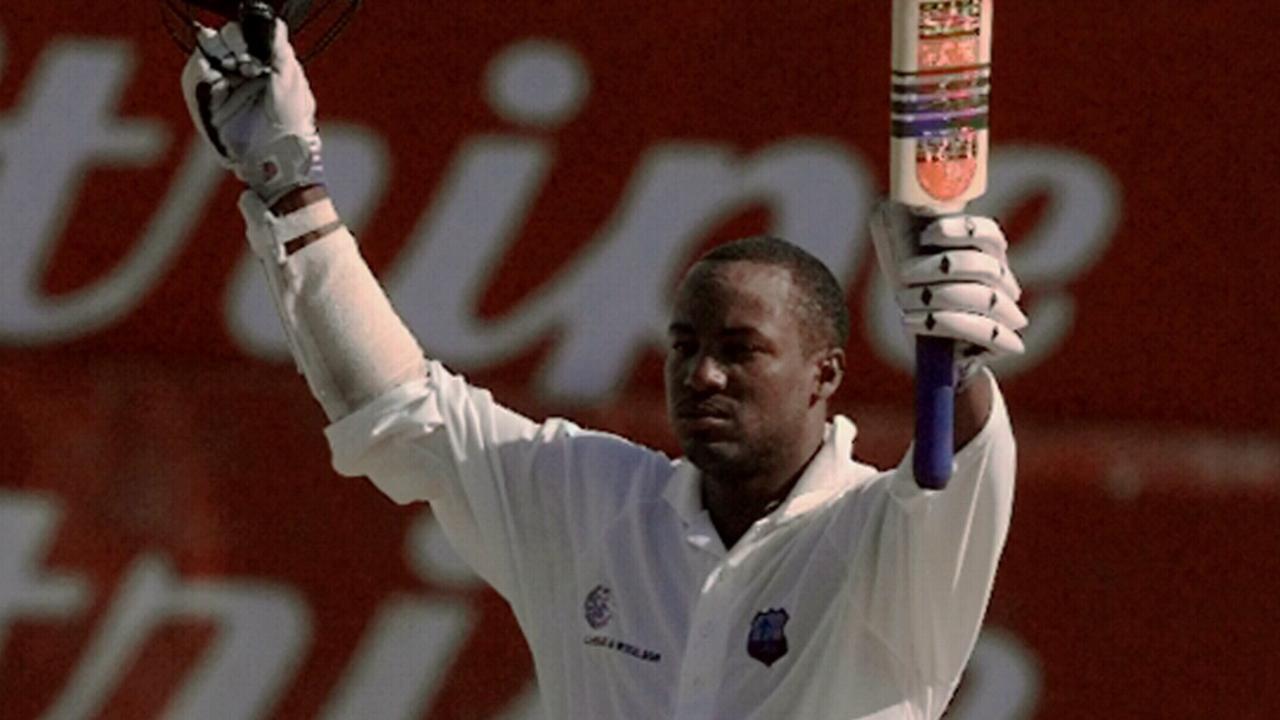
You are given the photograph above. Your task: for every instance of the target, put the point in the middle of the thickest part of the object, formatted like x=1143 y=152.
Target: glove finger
x=209 y=42
x=960 y=265
x=228 y=50
x=198 y=69
x=981 y=331
x=203 y=117
x=251 y=67
x=971 y=298
x=247 y=64
x=196 y=72
x=1006 y=312
x=238 y=99
x=233 y=37
x=292 y=104
x=281 y=49
x=961 y=231
x=890 y=226
x=204 y=86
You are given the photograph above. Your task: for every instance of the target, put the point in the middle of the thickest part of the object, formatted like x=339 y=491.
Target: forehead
x=736 y=293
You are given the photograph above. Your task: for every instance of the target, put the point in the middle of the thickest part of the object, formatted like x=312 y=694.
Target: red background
x=1141 y=569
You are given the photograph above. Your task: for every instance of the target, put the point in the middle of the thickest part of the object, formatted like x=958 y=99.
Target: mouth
x=703 y=418
x=704 y=423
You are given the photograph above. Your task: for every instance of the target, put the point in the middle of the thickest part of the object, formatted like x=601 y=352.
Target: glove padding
x=259 y=118
x=953 y=282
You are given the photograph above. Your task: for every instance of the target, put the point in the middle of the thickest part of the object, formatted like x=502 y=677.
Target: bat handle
x=258 y=23
x=935 y=411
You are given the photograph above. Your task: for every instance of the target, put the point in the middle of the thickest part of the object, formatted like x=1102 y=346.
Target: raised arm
x=938 y=549
x=416 y=430
x=342 y=331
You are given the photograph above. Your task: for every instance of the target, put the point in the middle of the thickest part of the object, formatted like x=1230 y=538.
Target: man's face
x=742 y=385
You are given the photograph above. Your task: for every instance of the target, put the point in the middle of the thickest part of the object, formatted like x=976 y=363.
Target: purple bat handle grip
x=935 y=411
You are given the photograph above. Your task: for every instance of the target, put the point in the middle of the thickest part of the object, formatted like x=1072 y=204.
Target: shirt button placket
x=704 y=659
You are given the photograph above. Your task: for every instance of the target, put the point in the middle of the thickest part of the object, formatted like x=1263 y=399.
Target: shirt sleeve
x=444 y=441
x=936 y=556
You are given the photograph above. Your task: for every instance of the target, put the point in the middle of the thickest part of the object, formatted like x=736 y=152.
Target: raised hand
x=952 y=279
x=259 y=117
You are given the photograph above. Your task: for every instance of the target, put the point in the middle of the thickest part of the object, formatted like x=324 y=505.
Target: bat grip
x=258 y=23
x=935 y=411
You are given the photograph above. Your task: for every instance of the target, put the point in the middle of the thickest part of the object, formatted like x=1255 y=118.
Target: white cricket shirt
x=861 y=596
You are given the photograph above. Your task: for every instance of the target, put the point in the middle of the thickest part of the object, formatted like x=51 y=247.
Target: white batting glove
x=960 y=287
x=259 y=118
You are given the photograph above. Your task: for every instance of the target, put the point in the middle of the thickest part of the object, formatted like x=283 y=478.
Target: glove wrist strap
x=289 y=162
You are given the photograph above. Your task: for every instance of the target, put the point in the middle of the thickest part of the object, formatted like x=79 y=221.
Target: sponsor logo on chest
x=598 y=611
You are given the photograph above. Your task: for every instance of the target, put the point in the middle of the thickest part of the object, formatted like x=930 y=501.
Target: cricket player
x=765 y=575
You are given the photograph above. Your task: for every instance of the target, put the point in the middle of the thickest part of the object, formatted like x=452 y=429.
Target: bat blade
x=941 y=82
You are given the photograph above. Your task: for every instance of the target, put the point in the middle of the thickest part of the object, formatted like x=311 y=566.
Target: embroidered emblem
x=597 y=607
x=768 y=641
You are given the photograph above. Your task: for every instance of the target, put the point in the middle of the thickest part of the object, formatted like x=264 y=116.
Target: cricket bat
x=941 y=84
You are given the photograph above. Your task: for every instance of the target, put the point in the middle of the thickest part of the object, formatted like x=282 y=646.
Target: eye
x=736 y=351
x=683 y=346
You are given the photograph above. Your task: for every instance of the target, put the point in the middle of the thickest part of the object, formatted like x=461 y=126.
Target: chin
x=715 y=458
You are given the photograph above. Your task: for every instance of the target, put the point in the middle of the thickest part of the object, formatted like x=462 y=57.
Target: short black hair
x=822 y=302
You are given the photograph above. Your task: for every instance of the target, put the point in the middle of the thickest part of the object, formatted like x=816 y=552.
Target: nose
x=705 y=374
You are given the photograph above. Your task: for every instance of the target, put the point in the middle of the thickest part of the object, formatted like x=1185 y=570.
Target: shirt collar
x=821 y=480
x=682 y=491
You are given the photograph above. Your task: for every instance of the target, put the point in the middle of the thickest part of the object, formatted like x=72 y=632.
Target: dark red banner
x=165 y=528
x=528 y=180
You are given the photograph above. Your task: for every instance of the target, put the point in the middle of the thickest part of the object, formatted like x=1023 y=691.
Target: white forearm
x=343 y=332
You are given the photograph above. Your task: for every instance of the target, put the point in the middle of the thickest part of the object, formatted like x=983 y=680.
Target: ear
x=830 y=373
